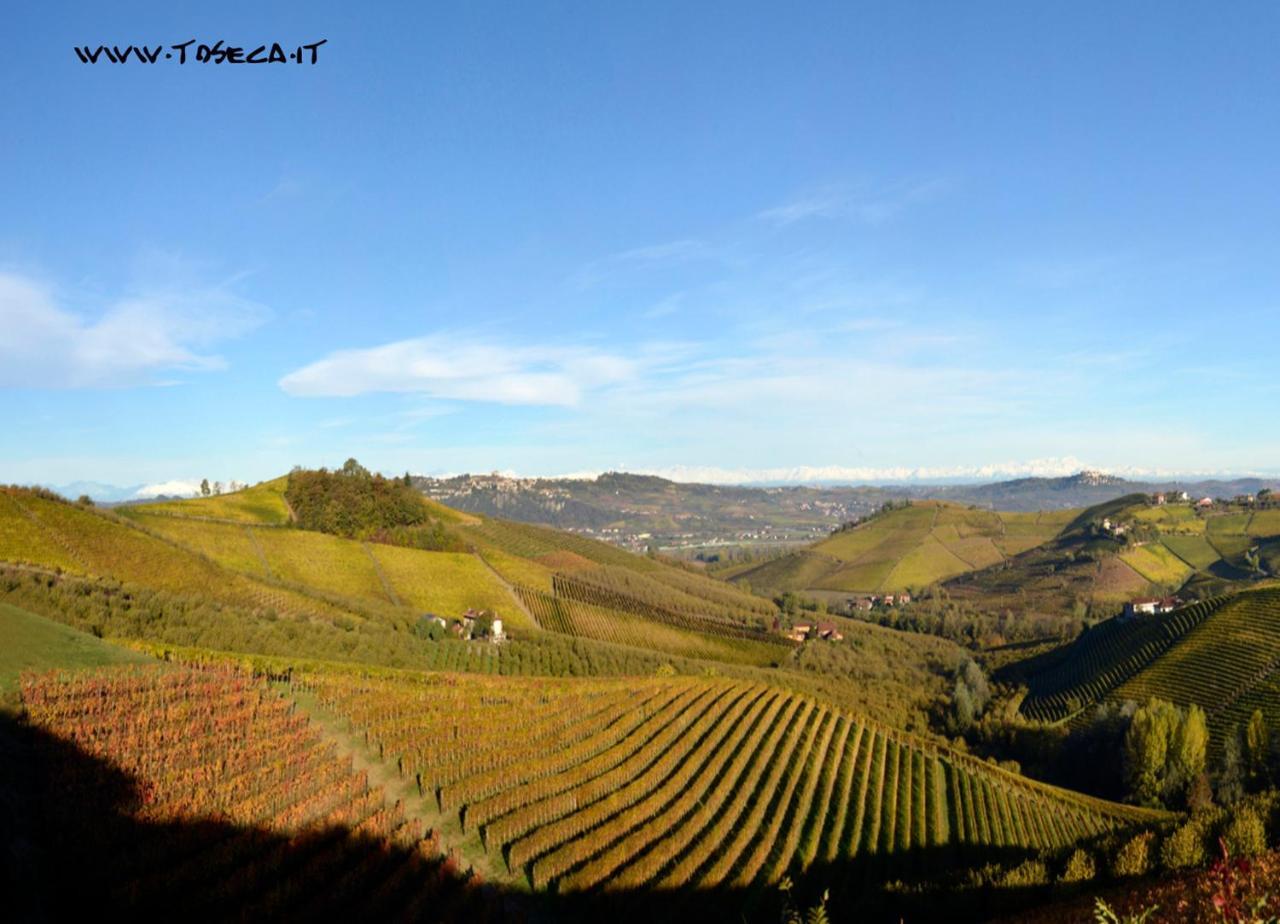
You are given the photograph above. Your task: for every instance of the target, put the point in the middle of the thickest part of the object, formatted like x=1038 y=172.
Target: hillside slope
x=1130 y=547
x=697 y=783
x=576 y=606
x=905 y=548
x=1222 y=654
x=203 y=794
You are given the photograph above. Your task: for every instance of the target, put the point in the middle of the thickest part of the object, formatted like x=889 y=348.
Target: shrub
x=1184 y=848
x=1134 y=857
x=1246 y=835
x=1080 y=867
x=1025 y=875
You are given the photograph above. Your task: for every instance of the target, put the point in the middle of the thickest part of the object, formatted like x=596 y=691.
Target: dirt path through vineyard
x=383 y=772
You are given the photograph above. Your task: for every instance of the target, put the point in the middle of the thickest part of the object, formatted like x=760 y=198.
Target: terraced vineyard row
x=694 y=782
x=1104 y=657
x=572 y=617
x=173 y=790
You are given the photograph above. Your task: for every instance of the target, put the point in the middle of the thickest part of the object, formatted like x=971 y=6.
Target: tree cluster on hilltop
x=352 y=502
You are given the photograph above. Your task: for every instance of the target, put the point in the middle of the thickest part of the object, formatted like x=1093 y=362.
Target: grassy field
x=1265 y=523
x=335 y=565
x=576 y=618
x=1226 y=533
x=380 y=575
x=261 y=503
x=523 y=571
x=1157 y=564
x=32 y=643
x=1179 y=519
x=907 y=548
x=1193 y=548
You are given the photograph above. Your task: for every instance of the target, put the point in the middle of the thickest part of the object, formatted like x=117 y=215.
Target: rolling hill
x=908 y=547
x=1146 y=550
x=638 y=510
x=695 y=783
x=1222 y=654
x=247 y=582
x=203 y=793
x=645 y=734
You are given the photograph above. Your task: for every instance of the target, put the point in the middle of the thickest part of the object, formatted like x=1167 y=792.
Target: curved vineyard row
x=177 y=789
x=629 y=590
x=605 y=593
x=694 y=782
x=1219 y=664
x=574 y=617
x=1104 y=657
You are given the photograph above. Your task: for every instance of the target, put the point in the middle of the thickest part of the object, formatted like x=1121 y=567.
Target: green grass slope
x=32 y=643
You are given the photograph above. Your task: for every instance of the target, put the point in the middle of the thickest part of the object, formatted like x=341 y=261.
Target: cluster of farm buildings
x=1151 y=606
x=871 y=601
x=804 y=630
x=471 y=625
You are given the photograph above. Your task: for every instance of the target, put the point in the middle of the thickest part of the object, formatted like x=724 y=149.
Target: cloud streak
x=131 y=342
x=869 y=206
x=461 y=368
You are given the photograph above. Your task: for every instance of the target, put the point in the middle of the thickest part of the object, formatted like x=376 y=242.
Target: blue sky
x=709 y=240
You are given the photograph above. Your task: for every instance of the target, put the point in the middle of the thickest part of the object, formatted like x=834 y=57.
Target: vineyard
x=54 y=535
x=1222 y=654
x=693 y=783
x=1158 y=564
x=648 y=579
x=180 y=791
x=618 y=590
x=1226 y=659
x=524 y=540
x=573 y=617
x=909 y=547
x=261 y=503
x=1067 y=679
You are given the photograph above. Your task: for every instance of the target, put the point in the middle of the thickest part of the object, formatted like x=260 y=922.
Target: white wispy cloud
x=130 y=341
x=664 y=254
x=462 y=368
x=870 y=205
